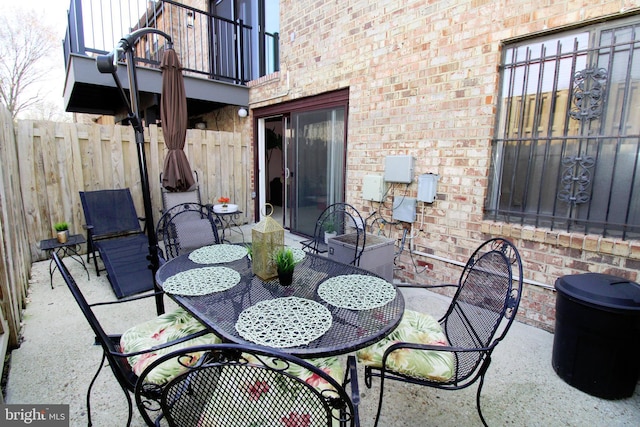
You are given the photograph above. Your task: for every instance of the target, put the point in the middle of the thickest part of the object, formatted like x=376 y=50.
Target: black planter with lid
x=596 y=346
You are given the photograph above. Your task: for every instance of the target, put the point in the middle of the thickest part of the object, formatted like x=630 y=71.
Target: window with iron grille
x=566 y=154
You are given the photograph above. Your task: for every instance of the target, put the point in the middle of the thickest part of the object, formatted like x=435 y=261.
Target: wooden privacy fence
x=15 y=257
x=46 y=164
x=58 y=160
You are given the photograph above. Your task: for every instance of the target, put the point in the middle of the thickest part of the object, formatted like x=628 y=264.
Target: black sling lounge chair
x=114 y=232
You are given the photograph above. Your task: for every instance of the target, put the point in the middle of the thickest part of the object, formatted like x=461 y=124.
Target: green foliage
x=61 y=226
x=283 y=257
x=274 y=140
x=329 y=226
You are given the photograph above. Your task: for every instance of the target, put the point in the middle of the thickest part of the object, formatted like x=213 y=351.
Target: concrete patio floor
x=57 y=360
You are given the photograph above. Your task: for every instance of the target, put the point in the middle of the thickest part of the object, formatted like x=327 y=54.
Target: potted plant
x=329 y=230
x=285 y=264
x=62 y=230
x=224 y=206
x=224 y=201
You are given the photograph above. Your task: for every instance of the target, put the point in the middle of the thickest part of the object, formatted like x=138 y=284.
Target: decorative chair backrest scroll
x=342 y=219
x=481 y=311
x=186 y=227
x=234 y=385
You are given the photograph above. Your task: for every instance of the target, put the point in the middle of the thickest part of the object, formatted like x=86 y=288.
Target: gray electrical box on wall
x=427 y=187
x=404 y=209
x=373 y=188
x=399 y=169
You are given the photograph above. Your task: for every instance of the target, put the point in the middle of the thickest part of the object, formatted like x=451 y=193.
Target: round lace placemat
x=216 y=254
x=202 y=281
x=298 y=254
x=356 y=291
x=284 y=322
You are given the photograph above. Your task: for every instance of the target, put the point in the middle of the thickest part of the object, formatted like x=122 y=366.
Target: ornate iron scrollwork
x=576 y=179
x=588 y=93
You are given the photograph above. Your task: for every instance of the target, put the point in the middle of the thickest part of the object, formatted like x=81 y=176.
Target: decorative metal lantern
x=266 y=237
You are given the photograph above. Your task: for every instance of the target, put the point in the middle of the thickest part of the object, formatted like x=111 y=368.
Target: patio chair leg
x=375 y=424
x=95 y=263
x=367 y=376
x=93 y=380
x=89 y=423
x=129 y=403
x=484 y=423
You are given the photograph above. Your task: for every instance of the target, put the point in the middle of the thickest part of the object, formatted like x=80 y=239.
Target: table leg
x=72 y=252
x=52 y=269
x=237 y=228
x=221 y=227
x=226 y=223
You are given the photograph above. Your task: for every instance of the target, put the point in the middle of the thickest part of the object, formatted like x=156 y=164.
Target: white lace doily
x=284 y=322
x=215 y=254
x=202 y=281
x=356 y=291
x=298 y=254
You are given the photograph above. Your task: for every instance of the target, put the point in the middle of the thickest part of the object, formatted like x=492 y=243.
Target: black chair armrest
x=431 y=347
x=445 y=285
x=129 y=299
x=161 y=346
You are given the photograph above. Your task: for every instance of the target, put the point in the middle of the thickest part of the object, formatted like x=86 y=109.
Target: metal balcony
x=218 y=55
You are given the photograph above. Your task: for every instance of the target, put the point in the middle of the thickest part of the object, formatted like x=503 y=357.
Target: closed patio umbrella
x=177 y=174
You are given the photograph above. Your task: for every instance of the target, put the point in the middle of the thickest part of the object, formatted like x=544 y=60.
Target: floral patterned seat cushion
x=263 y=402
x=414 y=327
x=164 y=328
x=332 y=366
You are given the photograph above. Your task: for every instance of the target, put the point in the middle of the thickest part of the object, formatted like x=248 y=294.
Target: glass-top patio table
x=330 y=308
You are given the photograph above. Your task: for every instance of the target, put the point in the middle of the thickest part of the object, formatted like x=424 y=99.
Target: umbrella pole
x=134 y=118
x=109 y=64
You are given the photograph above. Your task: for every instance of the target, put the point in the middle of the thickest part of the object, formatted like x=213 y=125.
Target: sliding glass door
x=314 y=165
x=301 y=165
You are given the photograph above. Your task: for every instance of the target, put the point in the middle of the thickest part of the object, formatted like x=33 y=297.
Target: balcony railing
x=208 y=45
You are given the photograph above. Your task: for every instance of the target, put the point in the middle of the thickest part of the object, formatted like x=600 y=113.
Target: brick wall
x=422 y=79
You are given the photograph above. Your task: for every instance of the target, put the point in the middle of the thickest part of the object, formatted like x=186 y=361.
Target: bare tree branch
x=26 y=45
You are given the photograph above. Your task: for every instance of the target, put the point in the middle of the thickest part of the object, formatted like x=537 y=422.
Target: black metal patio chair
x=455 y=351
x=182 y=334
x=339 y=219
x=186 y=227
x=114 y=232
x=242 y=385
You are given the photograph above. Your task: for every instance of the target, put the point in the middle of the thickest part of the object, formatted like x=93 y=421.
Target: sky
x=54 y=13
